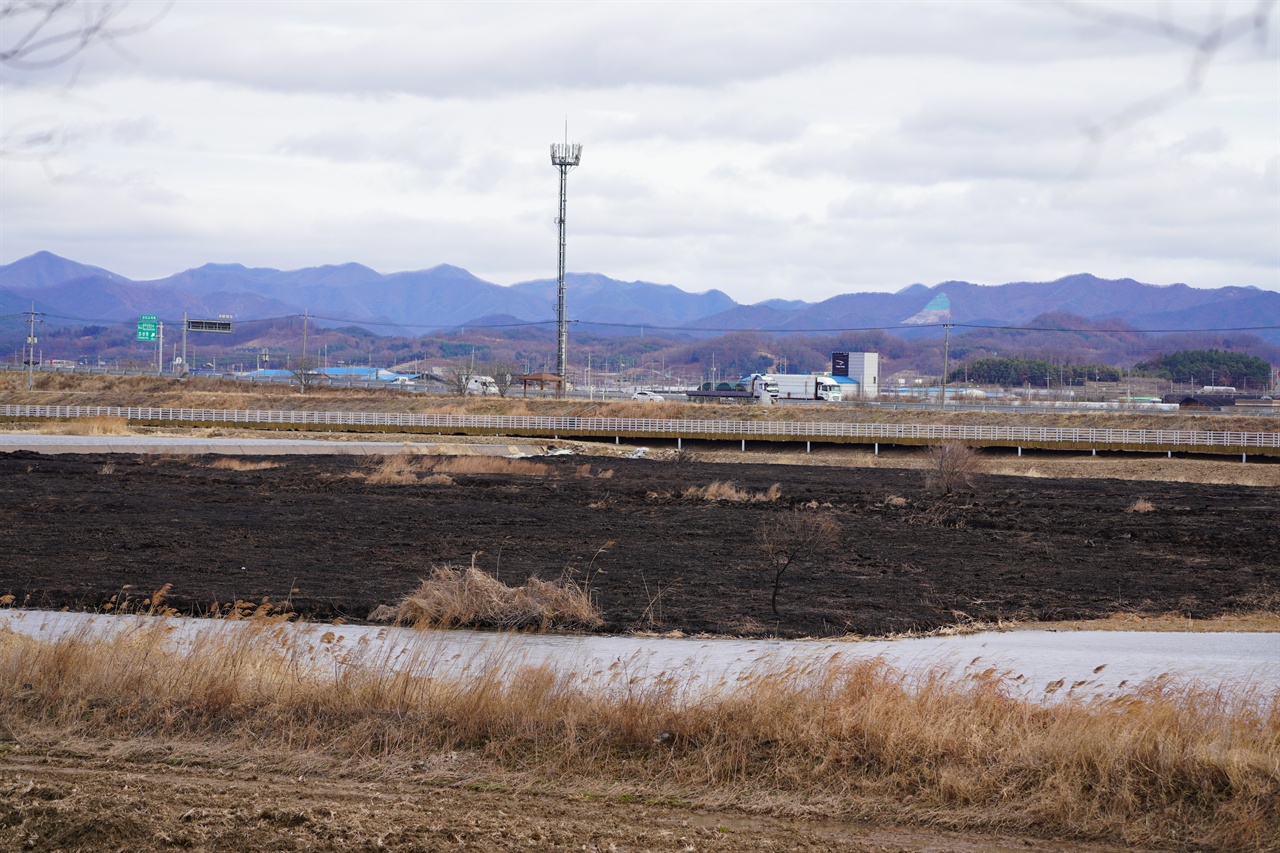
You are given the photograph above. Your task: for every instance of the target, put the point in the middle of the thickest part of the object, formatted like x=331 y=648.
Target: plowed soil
x=317 y=534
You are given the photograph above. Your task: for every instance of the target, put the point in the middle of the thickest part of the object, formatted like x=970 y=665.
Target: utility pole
x=184 y=344
x=31 y=345
x=160 y=348
x=303 y=381
x=946 y=355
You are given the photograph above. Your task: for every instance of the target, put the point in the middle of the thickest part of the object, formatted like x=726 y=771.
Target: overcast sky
x=785 y=150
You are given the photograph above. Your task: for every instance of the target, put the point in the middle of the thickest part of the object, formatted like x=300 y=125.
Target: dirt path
x=51 y=802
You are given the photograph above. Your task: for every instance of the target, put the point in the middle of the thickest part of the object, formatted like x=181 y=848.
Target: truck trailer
x=805 y=386
x=755 y=388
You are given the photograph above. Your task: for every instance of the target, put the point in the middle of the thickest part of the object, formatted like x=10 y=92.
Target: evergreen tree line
x=1209 y=367
x=1016 y=372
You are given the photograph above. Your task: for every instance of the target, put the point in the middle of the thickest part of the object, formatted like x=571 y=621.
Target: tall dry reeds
x=1166 y=764
x=452 y=597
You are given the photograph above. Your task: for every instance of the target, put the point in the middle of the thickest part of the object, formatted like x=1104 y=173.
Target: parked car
x=648 y=396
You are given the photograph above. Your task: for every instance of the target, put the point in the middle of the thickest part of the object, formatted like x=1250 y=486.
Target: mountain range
x=450 y=297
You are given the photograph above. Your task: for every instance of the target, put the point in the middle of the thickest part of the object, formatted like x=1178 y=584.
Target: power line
x=719 y=329
x=903 y=326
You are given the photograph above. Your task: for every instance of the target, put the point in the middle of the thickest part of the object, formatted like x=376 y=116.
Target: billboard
x=839 y=364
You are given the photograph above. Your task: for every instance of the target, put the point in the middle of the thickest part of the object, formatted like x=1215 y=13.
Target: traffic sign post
x=151 y=329
x=147 y=327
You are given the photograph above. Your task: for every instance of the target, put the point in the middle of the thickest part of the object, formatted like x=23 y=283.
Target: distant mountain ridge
x=446 y=296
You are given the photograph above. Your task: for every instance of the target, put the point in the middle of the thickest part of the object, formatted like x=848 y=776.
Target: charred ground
x=316 y=533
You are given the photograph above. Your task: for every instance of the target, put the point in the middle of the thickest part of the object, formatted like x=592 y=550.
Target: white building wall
x=864 y=368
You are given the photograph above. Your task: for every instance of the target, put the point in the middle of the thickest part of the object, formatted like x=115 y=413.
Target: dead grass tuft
x=725 y=490
x=233 y=463
x=98 y=425
x=469 y=598
x=492 y=465
x=397 y=469
x=407 y=469
x=1141 y=505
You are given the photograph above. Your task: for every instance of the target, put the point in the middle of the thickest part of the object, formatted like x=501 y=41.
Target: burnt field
x=331 y=538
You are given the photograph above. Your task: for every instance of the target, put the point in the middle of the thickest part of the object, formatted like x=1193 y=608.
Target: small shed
x=541 y=381
x=1203 y=402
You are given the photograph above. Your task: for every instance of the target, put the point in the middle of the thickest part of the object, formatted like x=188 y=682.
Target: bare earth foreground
x=336 y=537
x=53 y=802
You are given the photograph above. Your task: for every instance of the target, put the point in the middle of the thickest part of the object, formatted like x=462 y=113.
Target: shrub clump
x=452 y=597
x=951 y=467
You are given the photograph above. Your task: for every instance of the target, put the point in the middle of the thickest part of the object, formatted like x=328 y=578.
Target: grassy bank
x=1166 y=764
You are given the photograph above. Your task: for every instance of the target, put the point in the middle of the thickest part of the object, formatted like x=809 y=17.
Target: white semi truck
x=805 y=386
x=482 y=385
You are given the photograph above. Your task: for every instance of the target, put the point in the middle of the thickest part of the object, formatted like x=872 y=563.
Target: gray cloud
x=766 y=149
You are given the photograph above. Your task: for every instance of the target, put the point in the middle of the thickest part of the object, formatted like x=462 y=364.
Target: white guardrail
x=692 y=429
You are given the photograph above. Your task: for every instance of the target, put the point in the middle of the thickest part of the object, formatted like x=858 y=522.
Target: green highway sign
x=147 y=327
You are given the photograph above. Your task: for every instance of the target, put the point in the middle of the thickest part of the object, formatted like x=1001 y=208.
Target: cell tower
x=564 y=157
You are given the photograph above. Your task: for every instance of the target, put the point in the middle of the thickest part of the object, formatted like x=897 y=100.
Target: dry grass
x=234 y=463
x=1251 y=621
x=725 y=490
x=1166 y=764
x=396 y=469
x=408 y=469
x=1141 y=505
x=491 y=465
x=98 y=425
x=451 y=597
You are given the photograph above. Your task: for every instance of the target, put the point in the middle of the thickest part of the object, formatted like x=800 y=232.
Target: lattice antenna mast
x=565 y=157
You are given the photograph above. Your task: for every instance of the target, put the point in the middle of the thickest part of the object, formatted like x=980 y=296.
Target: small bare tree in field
x=505 y=374
x=459 y=375
x=306 y=372
x=951 y=467
x=792 y=538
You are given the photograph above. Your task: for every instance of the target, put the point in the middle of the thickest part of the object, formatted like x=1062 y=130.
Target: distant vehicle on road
x=648 y=397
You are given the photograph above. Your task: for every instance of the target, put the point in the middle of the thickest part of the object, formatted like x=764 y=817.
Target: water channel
x=1032 y=662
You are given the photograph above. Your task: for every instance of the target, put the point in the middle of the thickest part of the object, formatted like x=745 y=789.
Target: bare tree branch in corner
x=1205 y=45
x=40 y=34
x=36 y=35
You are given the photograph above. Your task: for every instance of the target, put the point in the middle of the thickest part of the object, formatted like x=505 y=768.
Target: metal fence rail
x=1154 y=439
